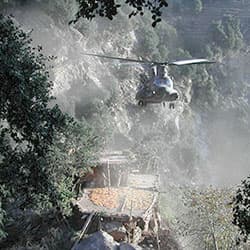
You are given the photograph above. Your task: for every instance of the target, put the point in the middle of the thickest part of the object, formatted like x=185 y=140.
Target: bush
x=241 y=209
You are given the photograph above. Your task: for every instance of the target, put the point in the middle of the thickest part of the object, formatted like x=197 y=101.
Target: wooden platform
x=120 y=201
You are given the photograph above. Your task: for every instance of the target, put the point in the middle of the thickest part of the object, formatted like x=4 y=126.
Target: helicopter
x=159 y=88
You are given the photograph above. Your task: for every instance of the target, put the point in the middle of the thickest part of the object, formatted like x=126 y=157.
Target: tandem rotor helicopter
x=160 y=87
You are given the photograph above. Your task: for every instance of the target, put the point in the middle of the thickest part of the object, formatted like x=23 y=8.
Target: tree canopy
x=40 y=147
x=106 y=8
x=27 y=123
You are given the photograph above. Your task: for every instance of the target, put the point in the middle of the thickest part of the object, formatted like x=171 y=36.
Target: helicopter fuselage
x=156 y=93
x=159 y=88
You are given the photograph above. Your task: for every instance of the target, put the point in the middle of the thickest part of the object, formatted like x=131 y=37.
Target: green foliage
x=227 y=33
x=198 y=6
x=41 y=149
x=208 y=220
x=25 y=90
x=28 y=124
x=168 y=40
x=213 y=52
x=241 y=209
x=55 y=239
x=205 y=92
x=158 y=44
x=69 y=157
x=147 y=45
x=100 y=116
x=3 y=193
x=106 y=8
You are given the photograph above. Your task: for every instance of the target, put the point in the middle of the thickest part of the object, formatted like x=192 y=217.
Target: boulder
x=126 y=246
x=97 y=241
x=103 y=241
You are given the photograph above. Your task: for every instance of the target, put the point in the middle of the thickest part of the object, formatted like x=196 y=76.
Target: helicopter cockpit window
x=164 y=82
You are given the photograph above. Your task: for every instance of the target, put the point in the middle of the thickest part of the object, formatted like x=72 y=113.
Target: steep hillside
x=103 y=92
x=205 y=139
x=99 y=91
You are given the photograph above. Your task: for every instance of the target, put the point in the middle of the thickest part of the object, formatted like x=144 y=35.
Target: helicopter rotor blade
x=120 y=59
x=152 y=63
x=191 y=61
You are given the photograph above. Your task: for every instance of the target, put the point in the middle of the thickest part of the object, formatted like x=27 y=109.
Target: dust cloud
x=188 y=151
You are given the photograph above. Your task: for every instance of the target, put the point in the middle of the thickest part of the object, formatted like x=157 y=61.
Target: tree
x=68 y=159
x=32 y=130
x=227 y=34
x=207 y=223
x=27 y=122
x=241 y=209
x=147 y=43
x=106 y=8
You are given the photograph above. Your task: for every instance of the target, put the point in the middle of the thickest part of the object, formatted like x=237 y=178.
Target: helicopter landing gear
x=141 y=103
x=171 y=105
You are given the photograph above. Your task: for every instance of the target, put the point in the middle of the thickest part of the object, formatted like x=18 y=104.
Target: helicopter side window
x=169 y=82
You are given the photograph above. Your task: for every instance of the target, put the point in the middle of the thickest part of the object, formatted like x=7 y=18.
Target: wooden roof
x=115 y=157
